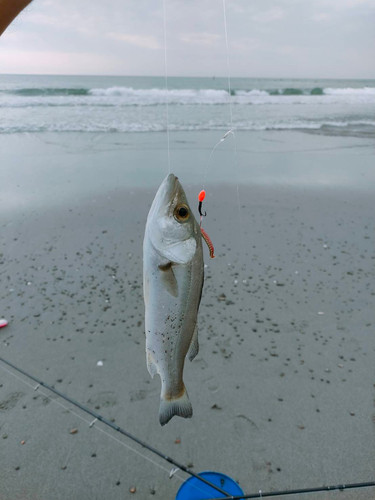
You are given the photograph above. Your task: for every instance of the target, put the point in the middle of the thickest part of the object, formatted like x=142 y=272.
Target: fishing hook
x=200 y=210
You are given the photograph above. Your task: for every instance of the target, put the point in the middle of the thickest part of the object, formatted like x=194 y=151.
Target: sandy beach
x=283 y=386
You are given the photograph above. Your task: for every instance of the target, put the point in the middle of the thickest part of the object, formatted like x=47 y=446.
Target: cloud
x=206 y=39
x=53 y=62
x=347 y=4
x=64 y=21
x=269 y=15
x=144 y=41
x=43 y=19
x=272 y=38
x=244 y=44
x=321 y=17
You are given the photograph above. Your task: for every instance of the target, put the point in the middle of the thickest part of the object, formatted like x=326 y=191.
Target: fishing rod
x=260 y=494
x=116 y=428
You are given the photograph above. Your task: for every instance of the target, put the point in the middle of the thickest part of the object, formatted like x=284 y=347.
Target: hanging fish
x=172 y=285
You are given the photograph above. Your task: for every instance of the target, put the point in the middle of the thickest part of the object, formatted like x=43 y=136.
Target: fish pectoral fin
x=151 y=366
x=181 y=252
x=169 y=279
x=194 y=345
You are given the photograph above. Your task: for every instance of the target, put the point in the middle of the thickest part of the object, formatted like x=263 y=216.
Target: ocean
x=137 y=104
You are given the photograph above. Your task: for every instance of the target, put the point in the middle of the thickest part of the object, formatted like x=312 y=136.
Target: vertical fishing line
x=166 y=84
x=231 y=131
x=231 y=116
x=228 y=65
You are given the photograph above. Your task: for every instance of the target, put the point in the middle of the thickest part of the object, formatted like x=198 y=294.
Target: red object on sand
x=3 y=322
x=201 y=195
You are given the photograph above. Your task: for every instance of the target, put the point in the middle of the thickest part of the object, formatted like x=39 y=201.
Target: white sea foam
x=253 y=92
x=350 y=91
x=129 y=96
x=157 y=96
x=146 y=126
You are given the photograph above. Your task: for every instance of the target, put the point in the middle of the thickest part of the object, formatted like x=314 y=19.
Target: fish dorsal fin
x=169 y=279
x=181 y=252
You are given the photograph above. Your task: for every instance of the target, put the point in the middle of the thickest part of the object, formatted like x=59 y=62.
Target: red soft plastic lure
x=207 y=239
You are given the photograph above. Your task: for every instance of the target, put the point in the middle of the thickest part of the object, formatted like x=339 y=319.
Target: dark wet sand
x=283 y=396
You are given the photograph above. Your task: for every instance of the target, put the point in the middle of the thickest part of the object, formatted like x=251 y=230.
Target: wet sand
x=283 y=386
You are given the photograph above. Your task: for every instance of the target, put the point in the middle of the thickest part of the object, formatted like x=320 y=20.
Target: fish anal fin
x=179 y=406
x=194 y=345
x=169 y=279
x=151 y=366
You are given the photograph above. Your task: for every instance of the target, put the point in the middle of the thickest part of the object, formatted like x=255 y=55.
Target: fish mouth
x=166 y=197
x=171 y=184
x=170 y=189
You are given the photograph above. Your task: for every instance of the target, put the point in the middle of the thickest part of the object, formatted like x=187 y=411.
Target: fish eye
x=181 y=213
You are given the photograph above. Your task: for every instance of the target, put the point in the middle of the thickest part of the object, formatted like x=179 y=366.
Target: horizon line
x=213 y=77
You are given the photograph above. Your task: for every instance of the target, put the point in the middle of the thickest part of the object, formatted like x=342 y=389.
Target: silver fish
x=172 y=286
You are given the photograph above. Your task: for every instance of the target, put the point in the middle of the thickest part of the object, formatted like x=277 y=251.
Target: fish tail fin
x=179 y=406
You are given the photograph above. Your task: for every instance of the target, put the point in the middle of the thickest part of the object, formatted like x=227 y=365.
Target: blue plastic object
x=194 y=489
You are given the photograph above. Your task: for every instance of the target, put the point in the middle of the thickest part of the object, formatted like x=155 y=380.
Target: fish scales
x=173 y=281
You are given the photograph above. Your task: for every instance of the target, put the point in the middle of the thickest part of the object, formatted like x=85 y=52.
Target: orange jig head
x=201 y=197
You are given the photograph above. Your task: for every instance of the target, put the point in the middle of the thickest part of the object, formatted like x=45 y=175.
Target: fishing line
x=112 y=425
x=212 y=152
x=166 y=83
x=231 y=130
x=231 y=116
x=65 y=463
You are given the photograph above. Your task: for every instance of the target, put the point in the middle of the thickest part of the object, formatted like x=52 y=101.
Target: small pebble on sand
x=73 y=431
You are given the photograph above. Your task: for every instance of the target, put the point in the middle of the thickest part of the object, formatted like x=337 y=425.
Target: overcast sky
x=267 y=38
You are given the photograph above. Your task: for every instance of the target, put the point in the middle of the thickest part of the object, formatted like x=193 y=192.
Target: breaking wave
x=350 y=91
x=49 y=91
x=155 y=96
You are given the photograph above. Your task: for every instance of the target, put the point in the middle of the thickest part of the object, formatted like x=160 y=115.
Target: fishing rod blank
x=118 y=429
x=261 y=494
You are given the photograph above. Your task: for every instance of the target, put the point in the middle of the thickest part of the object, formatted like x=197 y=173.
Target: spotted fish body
x=172 y=282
